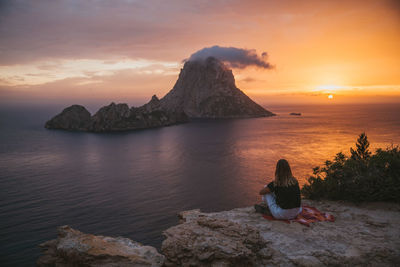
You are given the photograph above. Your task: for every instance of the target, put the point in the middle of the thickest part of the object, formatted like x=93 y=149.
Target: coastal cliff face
x=204 y=89
x=119 y=117
x=362 y=235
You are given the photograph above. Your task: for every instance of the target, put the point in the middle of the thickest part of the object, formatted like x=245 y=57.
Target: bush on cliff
x=362 y=176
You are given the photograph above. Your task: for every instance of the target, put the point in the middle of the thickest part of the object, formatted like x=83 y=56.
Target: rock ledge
x=74 y=248
x=362 y=235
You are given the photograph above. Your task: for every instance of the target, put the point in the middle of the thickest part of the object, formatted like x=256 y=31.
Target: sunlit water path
x=133 y=183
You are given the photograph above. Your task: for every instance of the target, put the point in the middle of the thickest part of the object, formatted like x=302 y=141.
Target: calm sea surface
x=134 y=183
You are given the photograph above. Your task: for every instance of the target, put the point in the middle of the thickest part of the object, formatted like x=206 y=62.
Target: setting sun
x=330 y=96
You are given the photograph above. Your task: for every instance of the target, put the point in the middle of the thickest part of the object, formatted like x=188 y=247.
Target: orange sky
x=74 y=51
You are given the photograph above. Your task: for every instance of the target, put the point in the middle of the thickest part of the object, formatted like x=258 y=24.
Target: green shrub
x=361 y=177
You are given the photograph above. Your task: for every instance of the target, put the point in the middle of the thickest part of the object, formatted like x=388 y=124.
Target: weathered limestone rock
x=362 y=235
x=74 y=248
x=75 y=118
x=154 y=104
x=214 y=242
x=206 y=89
x=113 y=117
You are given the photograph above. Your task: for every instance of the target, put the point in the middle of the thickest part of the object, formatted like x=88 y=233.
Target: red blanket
x=307 y=216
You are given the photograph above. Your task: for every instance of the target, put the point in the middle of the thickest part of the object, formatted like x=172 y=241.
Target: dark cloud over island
x=234 y=57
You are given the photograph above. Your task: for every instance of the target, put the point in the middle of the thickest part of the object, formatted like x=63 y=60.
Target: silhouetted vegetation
x=362 y=176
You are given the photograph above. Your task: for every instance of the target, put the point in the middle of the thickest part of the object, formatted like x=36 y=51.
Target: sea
x=133 y=184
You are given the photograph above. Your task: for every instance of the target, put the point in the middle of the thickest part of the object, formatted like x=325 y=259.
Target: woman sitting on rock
x=281 y=198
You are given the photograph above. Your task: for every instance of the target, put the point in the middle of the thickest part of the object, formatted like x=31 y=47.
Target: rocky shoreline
x=364 y=235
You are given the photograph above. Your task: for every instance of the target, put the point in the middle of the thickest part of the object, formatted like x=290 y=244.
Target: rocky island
x=205 y=89
x=363 y=235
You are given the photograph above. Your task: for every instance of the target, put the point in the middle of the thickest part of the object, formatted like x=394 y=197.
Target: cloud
x=134 y=86
x=46 y=30
x=234 y=57
x=42 y=30
x=45 y=72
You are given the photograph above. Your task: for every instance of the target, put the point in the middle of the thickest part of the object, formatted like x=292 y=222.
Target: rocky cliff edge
x=362 y=235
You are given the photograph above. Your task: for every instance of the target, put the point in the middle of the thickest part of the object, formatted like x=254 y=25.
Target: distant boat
x=295 y=114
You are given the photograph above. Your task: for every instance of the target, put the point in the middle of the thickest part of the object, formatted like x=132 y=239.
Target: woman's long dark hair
x=283 y=174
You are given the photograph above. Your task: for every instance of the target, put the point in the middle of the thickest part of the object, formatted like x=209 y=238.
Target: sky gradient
x=126 y=51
